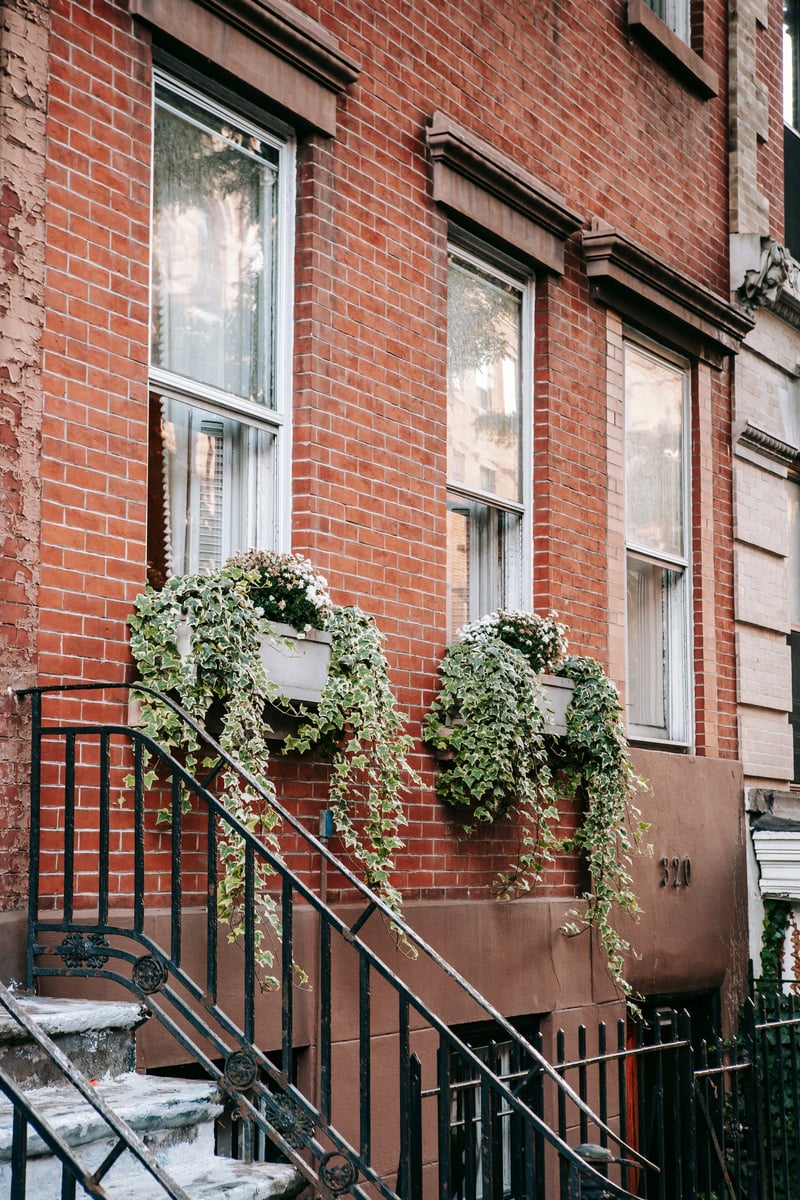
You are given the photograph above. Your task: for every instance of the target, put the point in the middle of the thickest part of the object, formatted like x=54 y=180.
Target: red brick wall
x=23 y=76
x=769 y=75
x=94 y=434
x=566 y=93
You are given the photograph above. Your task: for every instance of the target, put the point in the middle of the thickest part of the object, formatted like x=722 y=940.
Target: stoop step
x=174 y=1117
x=99 y=1038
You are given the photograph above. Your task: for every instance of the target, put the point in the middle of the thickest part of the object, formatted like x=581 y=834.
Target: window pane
x=657 y=687
x=654 y=453
x=213 y=250
x=218 y=486
x=484 y=414
x=791 y=55
x=674 y=13
x=484 y=561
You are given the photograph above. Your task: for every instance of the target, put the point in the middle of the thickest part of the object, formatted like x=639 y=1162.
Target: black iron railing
x=97 y=867
x=26 y=1117
x=771 y=1034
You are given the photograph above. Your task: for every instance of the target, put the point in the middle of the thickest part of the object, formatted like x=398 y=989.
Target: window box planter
x=558 y=694
x=297 y=663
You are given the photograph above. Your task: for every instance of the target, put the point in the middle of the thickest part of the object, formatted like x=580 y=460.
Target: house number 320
x=676 y=872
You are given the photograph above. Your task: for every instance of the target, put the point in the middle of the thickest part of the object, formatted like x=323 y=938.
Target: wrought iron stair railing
x=83 y=829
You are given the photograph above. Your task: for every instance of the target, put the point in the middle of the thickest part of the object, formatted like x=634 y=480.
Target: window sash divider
x=656 y=557
x=223 y=403
x=488 y=498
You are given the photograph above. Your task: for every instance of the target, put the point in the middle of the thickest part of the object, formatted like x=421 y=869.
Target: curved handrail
x=374 y=903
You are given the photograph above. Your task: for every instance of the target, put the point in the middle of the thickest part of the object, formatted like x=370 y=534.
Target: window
x=791 y=119
x=471 y=1128
x=488 y=441
x=676 y=14
x=220 y=332
x=657 y=533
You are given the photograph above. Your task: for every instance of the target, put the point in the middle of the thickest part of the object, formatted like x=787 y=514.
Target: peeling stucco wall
x=24 y=34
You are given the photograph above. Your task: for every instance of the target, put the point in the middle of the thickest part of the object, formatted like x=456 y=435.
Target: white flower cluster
x=542 y=639
x=285 y=587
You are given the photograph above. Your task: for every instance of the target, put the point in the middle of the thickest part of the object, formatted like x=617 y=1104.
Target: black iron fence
x=648 y=1108
x=367 y=1123
x=720 y=1117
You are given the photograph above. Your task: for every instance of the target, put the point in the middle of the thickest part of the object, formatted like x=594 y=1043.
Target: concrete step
x=174 y=1117
x=224 y=1179
x=98 y=1037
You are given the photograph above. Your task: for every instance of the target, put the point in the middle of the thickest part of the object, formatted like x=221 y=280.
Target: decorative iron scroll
x=240 y=1070
x=78 y=951
x=338 y=1175
x=149 y=974
x=288 y=1118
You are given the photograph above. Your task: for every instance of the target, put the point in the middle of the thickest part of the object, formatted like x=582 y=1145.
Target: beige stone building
x=765 y=277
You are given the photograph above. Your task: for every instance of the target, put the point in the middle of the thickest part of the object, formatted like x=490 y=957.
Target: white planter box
x=297 y=664
x=558 y=694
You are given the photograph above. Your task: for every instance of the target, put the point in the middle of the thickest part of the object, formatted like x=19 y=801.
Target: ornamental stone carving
x=762 y=288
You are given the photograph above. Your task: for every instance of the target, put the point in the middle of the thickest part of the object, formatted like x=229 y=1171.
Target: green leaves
x=489 y=718
x=199 y=640
x=493 y=705
x=358 y=727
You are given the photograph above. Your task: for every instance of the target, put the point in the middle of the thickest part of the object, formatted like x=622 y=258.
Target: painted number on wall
x=676 y=872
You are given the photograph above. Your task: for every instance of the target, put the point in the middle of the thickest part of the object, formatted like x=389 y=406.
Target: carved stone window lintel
x=268 y=44
x=488 y=190
x=661 y=300
x=674 y=53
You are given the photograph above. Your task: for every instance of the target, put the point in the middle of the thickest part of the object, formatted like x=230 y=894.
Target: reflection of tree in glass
x=481 y=314
x=200 y=166
x=209 y=252
x=655 y=487
x=501 y=427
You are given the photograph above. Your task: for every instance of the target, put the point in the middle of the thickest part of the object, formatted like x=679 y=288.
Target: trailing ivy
x=359 y=729
x=489 y=720
x=489 y=716
x=594 y=759
x=777 y=918
x=198 y=639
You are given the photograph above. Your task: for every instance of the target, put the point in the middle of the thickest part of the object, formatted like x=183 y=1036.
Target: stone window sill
x=670 y=50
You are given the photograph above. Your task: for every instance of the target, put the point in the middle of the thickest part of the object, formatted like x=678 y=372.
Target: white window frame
x=677 y=641
x=677 y=15
x=275 y=420
x=486 y=262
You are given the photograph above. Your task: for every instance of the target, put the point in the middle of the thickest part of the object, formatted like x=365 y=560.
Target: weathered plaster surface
x=24 y=32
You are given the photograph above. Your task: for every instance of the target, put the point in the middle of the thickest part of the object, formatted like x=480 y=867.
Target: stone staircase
x=173 y=1117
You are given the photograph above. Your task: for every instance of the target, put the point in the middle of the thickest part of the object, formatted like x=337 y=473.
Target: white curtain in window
x=646 y=645
x=219 y=486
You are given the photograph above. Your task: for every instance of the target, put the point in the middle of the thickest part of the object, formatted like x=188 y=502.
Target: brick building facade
x=575 y=156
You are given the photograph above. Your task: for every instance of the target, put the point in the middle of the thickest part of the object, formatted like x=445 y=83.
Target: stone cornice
x=307 y=55
x=660 y=299
x=766 y=443
x=475 y=181
x=787 y=306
